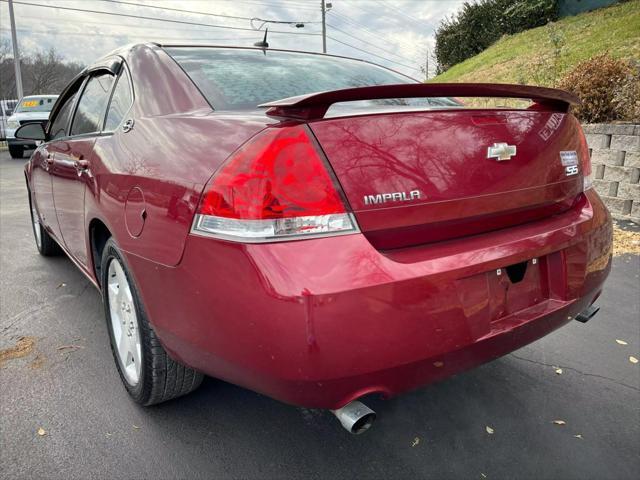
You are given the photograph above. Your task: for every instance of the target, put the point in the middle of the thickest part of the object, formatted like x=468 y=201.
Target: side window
x=92 y=105
x=60 y=125
x=120 y=102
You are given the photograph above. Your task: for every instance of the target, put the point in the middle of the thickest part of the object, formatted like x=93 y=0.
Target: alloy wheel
x=36 y=226
x=124 y=322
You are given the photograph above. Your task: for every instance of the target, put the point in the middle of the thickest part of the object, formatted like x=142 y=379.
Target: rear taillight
x=275 y=187
x=585 y=163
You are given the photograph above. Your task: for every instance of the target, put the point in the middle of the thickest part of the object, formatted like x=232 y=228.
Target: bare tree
x=5 y=49
x=7 y=75
x=43 y=72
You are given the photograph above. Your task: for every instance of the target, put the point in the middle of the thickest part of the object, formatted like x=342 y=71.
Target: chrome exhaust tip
x=355 y=417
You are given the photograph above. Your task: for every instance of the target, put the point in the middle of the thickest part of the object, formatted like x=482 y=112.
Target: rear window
x=30 y=104
x=235 y=79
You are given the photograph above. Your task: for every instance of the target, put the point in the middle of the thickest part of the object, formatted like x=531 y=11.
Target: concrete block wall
x=615 y=163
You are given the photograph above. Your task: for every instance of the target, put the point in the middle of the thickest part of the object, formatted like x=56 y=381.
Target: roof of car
x=40 y=96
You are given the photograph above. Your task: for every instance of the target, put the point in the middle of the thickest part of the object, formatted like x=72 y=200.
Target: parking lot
x=63 y=382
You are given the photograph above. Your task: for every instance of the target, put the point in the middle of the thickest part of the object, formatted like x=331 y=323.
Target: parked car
x=6 y=109
x=30 y=109
x=315 y=247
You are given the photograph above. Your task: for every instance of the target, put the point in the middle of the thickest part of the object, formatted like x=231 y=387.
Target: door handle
x=81 y=165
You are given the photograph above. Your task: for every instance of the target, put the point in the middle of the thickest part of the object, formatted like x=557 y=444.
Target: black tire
x=47 y=246
x=161 y=378
x=16 y=151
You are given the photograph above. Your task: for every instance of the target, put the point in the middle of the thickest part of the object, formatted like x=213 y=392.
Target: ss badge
x=569 y=161
x=571 y=170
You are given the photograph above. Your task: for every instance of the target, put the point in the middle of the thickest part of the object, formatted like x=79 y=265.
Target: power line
x=345 y=19
x=141 y=17
x=156 y=37
x=416 y=22
x=370 y=53
x=183 y=22
x=369 y=43
x=154 y=27
x=189 y=11
x=397 y=11
x=115 y=35
x=75 y=33
x=127 y=25
x=365 y=29
x=420 y=51
x=299 y=5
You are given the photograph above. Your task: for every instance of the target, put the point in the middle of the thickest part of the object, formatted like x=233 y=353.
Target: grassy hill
x=540 y=56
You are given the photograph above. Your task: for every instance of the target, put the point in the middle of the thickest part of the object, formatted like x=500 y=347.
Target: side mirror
x=30 y=131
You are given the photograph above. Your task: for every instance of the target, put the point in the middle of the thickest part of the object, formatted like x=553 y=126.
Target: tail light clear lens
x=585 y=163
x=275 y=187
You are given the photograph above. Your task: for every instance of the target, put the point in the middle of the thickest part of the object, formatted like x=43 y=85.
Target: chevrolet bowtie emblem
x=501 y=151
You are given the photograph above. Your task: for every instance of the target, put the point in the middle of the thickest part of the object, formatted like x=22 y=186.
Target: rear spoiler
x=314 y=105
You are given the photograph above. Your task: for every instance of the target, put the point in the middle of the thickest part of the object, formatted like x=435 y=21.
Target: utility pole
x=324 y=27
x=16 y=55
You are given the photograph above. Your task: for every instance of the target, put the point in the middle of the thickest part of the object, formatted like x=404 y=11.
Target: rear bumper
x=319 y=323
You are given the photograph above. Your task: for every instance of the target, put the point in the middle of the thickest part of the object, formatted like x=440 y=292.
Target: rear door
x=43 y=162
x=71 y=169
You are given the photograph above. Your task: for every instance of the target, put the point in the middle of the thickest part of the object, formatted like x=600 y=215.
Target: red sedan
x=314 y=247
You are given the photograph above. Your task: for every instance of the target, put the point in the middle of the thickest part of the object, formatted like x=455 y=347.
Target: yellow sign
x=30 y=103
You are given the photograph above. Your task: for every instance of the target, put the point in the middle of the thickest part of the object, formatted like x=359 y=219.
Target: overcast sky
x=394 y=33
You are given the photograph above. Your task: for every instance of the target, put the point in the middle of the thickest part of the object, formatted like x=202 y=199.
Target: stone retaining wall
x=615 y=163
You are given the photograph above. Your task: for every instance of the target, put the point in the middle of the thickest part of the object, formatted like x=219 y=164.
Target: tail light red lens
x=275 y=187
x=585 y=162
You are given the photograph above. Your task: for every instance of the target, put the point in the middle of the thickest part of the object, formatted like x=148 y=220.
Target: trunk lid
x=418 y=177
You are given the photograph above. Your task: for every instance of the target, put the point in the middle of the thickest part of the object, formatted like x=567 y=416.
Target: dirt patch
x=37 y=363
x=23 y=347
x=625 y=241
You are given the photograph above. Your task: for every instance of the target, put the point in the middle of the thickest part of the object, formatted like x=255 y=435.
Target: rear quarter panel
x=159 y=168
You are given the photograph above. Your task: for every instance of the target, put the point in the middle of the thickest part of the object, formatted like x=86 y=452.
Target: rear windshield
x=235 y=79
x=30 y=104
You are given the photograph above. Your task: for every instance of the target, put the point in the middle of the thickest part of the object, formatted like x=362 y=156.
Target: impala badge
x=392 y=197
x=501 y=151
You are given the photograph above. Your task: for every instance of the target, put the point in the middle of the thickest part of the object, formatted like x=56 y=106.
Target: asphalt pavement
x=66 y=385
